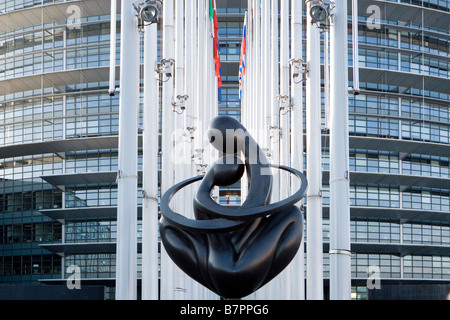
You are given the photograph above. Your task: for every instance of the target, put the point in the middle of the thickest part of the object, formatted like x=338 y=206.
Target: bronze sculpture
x=234 y=251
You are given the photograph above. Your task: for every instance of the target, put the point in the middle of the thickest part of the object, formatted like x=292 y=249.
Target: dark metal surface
x=234 y=251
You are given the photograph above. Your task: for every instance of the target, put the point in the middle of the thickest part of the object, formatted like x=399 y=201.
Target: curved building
x=59 y=157
x=400 y=149
x=58 y=142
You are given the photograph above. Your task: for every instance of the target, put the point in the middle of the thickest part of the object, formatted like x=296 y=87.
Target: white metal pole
x=298 y=276
x=213 y=112
x=273 y=291
x=150 y=168
x=126 y=258
x=201 y=72
x=257 y=92
x=167 y=176
x=189 y=80
x=244 y=82
x=314 y=258
x=274 y=89
x=112 y=49
x=265 y=143
x=192 y=113
x=251 y=101
x=355 y=46
x=285 y=277
x=208 y=81
x=178 y=165
x=340 y=255
x=248 y=93
x=284 y=93
x=191 y=70
x=246 y=96
x=179 y=64
x=189 y=124
x=201 y=93
x=326 y=76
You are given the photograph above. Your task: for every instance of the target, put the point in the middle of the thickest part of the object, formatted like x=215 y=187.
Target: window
x=426 y=199
x=432 y=267
x=377 y=127
x=374 y=196
x=389 y=265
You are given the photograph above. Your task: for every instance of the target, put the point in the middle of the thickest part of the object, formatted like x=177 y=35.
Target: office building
x=59 y=143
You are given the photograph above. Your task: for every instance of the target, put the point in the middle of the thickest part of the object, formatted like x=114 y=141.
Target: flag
x=242 y=66
x=218 y=69
x=211 y=9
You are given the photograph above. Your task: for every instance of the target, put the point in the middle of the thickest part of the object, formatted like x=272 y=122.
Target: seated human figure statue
x=235 y=263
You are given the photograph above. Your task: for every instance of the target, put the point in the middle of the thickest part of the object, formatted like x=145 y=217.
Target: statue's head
x=227 y=135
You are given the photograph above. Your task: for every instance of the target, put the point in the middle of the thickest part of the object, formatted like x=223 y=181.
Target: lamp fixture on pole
x=321 y=11
x=147 y=11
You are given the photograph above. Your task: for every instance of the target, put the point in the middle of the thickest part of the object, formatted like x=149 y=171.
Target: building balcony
x=83 y=178
x=396 y=249
x=42 y=14
x=404 y=147
x=57 y=79
x=66 y=249
x=405 y=181
x=108 y=282
x=60 y=146
x=393 y=214
x=402 y=79
x=85 y=213
x=405 y=13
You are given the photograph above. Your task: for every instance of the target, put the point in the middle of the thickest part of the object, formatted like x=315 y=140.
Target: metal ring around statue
x=228 y=219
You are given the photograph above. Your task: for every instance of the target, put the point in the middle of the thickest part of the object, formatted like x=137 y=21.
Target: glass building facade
x=59 y=127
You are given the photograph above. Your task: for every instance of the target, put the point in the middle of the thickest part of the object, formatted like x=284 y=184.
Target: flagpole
x=167 y=176
x=242 y=71
x=178 y=117
x=284 y=96
x=248 y=88
x=266 y=91
x=112 y=49
x=283 y=100
x=217 y=85
x=298 y=276
x=326 y=77
x=201 y=102
x=208 y=79
x=188 y=123
x=214 y=98
x=193 y=21
x=209 y=105
x=200 y=75
x=258 y=115
x=251 y=63
x=245 y=92
x=126 y=255
x=266 y=72
x=150 y=168
x=314 y=249
x=275 y=136
x=274 y=290
x=340 y=254
x=355 y=47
